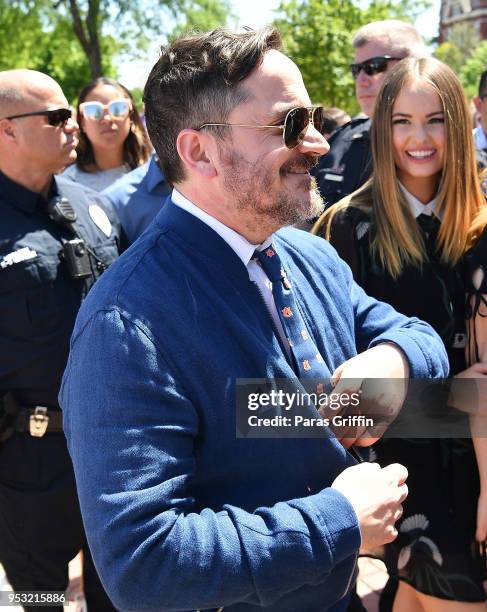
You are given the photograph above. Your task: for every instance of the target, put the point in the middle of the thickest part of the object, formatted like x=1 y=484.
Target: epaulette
x=358 y=127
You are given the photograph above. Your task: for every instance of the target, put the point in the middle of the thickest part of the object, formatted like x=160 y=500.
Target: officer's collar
x=155 y=176
x=22 y=198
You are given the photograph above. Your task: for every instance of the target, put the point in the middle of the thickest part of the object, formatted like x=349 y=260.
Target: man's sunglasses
x=117 y=109
x=56 y=117
x=372 y=66
x=294 y=127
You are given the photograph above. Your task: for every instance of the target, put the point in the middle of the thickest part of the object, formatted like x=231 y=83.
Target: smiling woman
x=418 y=136
x=405 y=234
x=112 y=138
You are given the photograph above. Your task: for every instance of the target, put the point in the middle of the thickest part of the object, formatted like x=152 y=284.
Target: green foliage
x=46 y=42
x=203 y=16
x=473 y=68
x=317 y=34
x=138 y=95
x=463 y=39
x=20 y=35
x=450 y=54
x=63 y=58
x=45 y=35
x=465 y=55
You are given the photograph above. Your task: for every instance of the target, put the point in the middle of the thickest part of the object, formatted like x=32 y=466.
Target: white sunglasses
x=117 y=109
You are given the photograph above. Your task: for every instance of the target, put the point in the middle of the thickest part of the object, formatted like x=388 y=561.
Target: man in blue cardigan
x=180 y=513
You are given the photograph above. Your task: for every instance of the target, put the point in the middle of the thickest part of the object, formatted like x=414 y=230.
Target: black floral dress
x=435 y=550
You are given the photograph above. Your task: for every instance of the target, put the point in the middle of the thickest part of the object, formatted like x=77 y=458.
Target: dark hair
x=136 y=148
x=483 y=84
x=197 y=80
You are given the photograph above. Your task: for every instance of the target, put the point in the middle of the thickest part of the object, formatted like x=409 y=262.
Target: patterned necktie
x=308 y=363
x=312 y=371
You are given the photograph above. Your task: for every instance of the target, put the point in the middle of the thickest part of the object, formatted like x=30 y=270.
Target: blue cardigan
x=179 y=513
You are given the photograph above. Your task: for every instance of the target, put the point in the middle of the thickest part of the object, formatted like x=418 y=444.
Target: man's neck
x=225 y=212
x=36 y=181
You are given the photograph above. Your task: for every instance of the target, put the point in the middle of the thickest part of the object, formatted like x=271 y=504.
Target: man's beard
x=251 y=190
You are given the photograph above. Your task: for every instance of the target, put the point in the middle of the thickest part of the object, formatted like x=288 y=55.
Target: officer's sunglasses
x=294 y=127
x=56 y=117
x=117 y=109
x=372 y=66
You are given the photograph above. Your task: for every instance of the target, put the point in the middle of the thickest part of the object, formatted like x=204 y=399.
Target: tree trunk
x=87 y=34
x=94 y=58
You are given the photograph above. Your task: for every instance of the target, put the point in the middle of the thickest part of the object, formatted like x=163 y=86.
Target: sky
x=257 y=13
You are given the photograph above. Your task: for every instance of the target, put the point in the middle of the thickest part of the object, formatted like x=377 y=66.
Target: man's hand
x=382 y=398
x=376 y=495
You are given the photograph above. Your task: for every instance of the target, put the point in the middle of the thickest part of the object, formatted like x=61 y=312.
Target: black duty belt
x=38 y=421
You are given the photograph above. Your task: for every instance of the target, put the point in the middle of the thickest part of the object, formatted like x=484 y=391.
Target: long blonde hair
x=397 y=241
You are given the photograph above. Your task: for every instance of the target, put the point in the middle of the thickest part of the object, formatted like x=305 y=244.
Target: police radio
x=75 y=252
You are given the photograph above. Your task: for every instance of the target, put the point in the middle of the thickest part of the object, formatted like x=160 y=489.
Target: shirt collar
x=22 y=198
x=242 y=247
x=418 y=208
x=480 y=138
x=154 y=175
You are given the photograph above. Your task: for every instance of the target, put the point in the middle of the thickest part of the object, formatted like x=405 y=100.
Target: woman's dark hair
x=136 y=148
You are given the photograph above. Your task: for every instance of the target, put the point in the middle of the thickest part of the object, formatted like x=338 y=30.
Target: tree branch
x=78 y=26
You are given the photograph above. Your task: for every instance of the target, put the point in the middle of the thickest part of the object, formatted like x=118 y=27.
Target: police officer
x=56 y=238
x=378 y=46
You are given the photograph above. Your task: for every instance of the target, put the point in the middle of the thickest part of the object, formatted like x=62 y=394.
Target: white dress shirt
x=418 y=208
x=244 y=250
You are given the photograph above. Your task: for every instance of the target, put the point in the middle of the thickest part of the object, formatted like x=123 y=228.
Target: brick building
x=454 y=12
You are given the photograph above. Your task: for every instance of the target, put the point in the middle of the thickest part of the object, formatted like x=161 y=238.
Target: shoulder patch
x=100 y=219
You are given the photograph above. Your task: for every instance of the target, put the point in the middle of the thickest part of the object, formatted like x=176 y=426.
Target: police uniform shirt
x=39 y=300
x=348 y=164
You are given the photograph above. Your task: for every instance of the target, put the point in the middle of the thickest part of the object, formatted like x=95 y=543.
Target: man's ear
x=195 y=150
x=7 y=131
x=478 y=103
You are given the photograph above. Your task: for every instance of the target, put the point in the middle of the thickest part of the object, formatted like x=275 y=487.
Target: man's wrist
x=401 y=354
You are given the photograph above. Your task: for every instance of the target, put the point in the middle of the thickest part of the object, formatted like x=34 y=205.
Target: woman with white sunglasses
x=112 y=138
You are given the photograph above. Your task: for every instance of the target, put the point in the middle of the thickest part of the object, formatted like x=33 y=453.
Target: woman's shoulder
x=348 y=225
x=480 y=247
x=350 y=221
x=477 y=255
x=340 y=216
x=97 y=180
x=350 y=215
